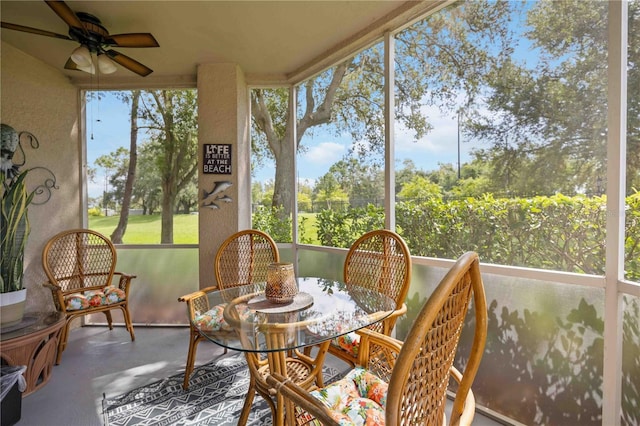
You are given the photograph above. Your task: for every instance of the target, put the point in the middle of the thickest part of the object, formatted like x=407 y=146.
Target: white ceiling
x=269 y=40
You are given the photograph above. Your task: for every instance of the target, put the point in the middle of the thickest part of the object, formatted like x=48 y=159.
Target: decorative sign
x=217 y=159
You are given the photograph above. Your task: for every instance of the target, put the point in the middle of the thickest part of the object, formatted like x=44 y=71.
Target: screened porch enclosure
x=563 y=294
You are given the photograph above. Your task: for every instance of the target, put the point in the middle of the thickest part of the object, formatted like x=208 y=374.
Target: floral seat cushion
x=349 y=342
x=213 y=319
x=357 y=399
x=95 y=298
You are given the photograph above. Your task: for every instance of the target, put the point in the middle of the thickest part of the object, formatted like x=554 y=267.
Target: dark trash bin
x=12 y=384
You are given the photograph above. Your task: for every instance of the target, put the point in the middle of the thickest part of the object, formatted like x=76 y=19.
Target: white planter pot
x=12 y=307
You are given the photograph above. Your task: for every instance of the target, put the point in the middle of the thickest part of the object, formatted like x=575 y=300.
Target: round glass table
x=271 y=334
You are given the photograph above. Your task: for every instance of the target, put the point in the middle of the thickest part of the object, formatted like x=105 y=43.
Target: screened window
x=142 y=165
x=501 y=134
x=341 y=151
x=271 y=163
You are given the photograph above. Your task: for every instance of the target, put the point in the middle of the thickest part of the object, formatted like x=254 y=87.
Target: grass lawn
x=146 y=229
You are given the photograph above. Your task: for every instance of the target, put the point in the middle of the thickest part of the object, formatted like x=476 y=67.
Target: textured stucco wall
x=38 y=99
x=223 y=118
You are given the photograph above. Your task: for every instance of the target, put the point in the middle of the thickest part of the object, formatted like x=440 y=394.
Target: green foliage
x=94 y=211
x=558 y=233
x=269 y=220
x=342 y=228
x=632 y=238
x=420 y=187
x=14 y=230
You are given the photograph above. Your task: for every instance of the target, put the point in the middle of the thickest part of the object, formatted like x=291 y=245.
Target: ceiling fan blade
x=132 y=40
x=129 y=63
x=67 y=15
x=22 y=28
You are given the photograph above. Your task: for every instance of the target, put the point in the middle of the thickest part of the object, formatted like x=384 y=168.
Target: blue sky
x=108 y=129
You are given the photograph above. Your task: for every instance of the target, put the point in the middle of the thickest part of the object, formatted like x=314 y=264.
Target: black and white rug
x=217 y=391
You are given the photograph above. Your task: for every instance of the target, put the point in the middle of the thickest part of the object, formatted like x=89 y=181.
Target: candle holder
x=281 y=283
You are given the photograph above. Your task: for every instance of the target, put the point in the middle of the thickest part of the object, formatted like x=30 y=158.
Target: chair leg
x=62 y=343
x=248 y=401
x=127 y=321
x=194 y=338
x=109 y=319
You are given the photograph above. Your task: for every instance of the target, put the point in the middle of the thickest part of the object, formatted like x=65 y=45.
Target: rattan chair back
x=380 y=260
x=420 y=377
x=243 y=258
x=79 y=260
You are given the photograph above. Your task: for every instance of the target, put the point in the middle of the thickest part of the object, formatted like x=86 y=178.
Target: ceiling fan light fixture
x=106 y=65
x=89 y=69
x=81 y=56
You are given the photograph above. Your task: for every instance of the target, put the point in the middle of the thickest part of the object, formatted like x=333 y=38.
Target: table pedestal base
x=35 y=347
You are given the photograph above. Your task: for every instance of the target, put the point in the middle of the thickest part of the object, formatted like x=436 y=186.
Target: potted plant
x=13 y=234
x=14 y=228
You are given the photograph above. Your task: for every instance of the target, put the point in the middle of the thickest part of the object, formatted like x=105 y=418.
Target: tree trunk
x=118 y=233
x=313 y=116
x=283 y=187
x=167 y=217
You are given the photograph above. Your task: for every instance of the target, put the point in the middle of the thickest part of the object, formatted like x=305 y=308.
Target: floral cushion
x=357 y=399
x=94 y=298
x=113 y=294
x=349 y=342
x=213 y=319
x=76 y=301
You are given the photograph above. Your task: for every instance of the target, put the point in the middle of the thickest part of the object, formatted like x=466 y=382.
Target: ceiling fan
x=94 y=39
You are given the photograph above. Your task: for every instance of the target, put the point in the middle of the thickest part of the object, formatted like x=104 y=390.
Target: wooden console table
x=34 y=344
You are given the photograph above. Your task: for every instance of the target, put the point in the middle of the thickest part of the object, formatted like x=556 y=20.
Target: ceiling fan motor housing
x=95 y=36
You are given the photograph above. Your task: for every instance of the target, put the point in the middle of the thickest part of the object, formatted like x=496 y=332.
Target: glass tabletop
x=31 y=323
x=241 y=318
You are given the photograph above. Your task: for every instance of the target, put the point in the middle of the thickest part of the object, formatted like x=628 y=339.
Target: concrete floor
x=100 y=361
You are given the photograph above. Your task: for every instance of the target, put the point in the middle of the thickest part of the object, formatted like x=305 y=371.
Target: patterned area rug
x=216 y=393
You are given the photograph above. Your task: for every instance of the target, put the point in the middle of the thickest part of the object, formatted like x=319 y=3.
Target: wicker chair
x=241 y=259
x=378 y=260
x=417 y=372
x=80 y=265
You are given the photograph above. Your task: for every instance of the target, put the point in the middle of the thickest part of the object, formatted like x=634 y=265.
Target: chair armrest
x=372 y=336
x=124 y=282
x=378 y=352
x=197 y=302
x=295 y=395
x=58 y=297
x=199 y=293
x=389 y=322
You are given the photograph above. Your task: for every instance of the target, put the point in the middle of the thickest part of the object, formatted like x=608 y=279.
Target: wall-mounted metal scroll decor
x=13 y=157
x=212 y=199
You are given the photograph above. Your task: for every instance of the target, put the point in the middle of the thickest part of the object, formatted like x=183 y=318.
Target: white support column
x=293 y=107
x=616 y=171
x=389 y=114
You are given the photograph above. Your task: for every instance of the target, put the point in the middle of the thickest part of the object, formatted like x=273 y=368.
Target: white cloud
x=325 y=153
